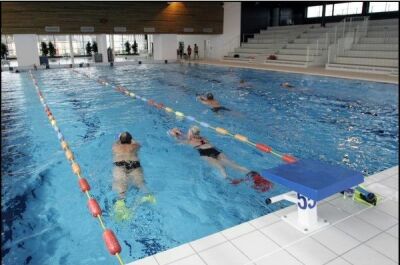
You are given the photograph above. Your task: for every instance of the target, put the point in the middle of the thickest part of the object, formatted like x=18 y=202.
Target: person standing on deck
x=189 y=51
x=196 y=52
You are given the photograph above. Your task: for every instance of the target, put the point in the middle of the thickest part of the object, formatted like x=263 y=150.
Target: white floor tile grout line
x=228 y=240
x=383 y=232
x=309 y=235
x=280 y=220
x=200 y=257
x=360 y=244
x=154 y=257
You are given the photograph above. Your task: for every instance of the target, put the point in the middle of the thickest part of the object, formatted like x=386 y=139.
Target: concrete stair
x=368 y=61
x=372 y=54
x=372 y=47
x=377 y=52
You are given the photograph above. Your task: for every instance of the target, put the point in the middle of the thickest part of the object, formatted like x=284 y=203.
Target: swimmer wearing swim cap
x=127 y=170
x=211 y=102
x=286 y=85
x=217 y=159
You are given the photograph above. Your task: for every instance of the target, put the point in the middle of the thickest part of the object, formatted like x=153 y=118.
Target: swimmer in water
x=211 y=102
x=216 y=158
x=127 y=170
x=244 y=84
x=286 y=85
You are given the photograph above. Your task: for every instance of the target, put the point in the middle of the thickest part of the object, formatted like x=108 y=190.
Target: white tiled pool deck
x=357 y=234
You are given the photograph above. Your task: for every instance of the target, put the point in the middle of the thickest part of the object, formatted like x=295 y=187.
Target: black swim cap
x=125 y=138
x=210 y=96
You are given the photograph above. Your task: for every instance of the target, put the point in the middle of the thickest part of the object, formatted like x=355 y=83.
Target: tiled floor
x=357 y=235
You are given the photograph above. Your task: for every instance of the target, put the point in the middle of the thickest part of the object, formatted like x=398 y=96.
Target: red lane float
x=289 y=159
x=111 y=241
x=151 y=102
x=159 y=105
x=264 y=148
x=94 y=207
x=84 y=185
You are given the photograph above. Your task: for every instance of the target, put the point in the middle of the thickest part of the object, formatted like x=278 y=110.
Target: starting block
x=310 y=181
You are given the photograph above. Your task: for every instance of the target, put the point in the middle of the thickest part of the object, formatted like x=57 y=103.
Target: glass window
x=375 y=7
x=9 y=41
x=328 y=10
x=314 y=11
x=121 y=39
x=347 y=8
x=61 y=43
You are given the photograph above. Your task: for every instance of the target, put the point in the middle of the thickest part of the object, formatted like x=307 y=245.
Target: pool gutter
x=318 y=71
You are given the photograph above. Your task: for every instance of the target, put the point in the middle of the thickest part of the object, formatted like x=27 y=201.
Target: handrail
x=351 y=27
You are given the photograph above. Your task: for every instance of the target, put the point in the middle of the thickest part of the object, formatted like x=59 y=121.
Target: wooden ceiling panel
x=33 y=17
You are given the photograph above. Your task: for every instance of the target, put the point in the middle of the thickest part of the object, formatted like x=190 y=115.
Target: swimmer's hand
x=122 y=213
x=175 y=132
x=148 y=198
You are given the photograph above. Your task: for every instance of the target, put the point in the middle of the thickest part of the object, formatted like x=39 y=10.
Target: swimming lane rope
x=239 y=137
x=109 y=237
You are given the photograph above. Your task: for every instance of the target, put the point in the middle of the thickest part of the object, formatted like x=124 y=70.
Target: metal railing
x=348 y=32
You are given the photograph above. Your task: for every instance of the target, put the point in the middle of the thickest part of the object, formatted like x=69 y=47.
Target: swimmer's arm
x=115 y=148
x=135 y=144
x=202 y=98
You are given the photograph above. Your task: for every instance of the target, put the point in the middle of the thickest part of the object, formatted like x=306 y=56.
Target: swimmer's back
x=125 y=152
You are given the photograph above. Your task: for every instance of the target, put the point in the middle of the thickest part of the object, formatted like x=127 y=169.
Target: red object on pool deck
x=260 y=183
x=111 y=241
x=289 y=159
x=84 y=185
x=264 y=148
x=94 y=207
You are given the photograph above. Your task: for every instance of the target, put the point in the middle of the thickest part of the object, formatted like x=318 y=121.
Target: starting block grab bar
x=306 y=219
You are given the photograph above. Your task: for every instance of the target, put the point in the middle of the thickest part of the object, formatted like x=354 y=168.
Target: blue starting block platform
x=311 y=181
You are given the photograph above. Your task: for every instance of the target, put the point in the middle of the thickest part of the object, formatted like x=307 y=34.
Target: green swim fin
x=122 y=213
x=148 y=198
x=365 y=197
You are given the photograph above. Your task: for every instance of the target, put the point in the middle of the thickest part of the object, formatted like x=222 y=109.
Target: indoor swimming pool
x=343 y=122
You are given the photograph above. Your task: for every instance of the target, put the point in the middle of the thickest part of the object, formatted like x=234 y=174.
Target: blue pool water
x=45 y=218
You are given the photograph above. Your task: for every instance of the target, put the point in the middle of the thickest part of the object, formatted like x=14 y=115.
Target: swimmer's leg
x=218 y=165
x=137 y=178
x=120 y=185
x=225 y=161
x=120 y=181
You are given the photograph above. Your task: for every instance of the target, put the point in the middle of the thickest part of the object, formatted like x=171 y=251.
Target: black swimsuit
x=216 y=109
x=129 y=165
x=210 y=152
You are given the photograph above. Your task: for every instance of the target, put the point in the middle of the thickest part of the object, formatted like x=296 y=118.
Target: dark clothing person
x=189 y=51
